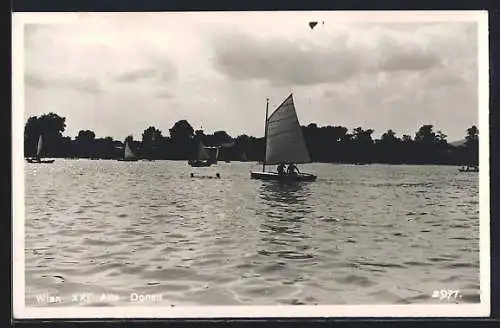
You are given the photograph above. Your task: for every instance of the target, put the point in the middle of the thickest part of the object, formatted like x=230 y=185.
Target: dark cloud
x=163 y=71
x=135 y=75
x=330 y=93
x=409 y=62
x=405 y=57
x=79 y=84
x=441 y=78
x=282 y=61
x=35 y=81
x=165 y=94
x=84 y=84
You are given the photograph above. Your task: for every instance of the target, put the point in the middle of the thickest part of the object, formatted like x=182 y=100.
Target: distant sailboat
x=38 y=157
x=214 y=154
x=128 y=155
x=284 y=144
x=244 y=157
x=202 y=157
x=224 y=148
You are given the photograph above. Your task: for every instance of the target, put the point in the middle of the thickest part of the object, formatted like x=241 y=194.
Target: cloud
x=216 y=70
x=35 y=81
x=80 y=84
x=445 y=78
x=165 y=95
x=135 y=75
x=283 y=61
x=86 y=85
x=408 y=59
x=164 y=72
x=88 y=57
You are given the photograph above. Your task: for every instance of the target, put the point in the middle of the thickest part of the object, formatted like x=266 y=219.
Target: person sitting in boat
x=292 y=169
x=281 y=168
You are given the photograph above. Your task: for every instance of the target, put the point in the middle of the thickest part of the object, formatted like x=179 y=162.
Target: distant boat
x=225 y=150
x=128 y=155
x=244 y=157
x=284 y=144
x=202 y=157
x=38 y=157
x=469 y=168
x=213 y=153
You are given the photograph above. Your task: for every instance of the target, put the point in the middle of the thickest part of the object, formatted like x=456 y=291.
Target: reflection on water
x=374 y=234
x=282 y=227
x=286 y=199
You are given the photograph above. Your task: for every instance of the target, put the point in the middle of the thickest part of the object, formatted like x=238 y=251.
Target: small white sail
x=39 y=147
x=128 y=151
x=244 y=156
x=202 y=153
x=285 y=141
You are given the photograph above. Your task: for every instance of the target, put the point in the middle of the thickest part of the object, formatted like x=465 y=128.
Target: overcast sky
x=117 y=74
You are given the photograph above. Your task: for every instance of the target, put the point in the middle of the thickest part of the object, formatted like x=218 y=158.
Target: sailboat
x=38 y=157
x=225 y=149
x=128 y=155
x=284 y=144
x=244 y=157
x=202 y=157
x=213 y=153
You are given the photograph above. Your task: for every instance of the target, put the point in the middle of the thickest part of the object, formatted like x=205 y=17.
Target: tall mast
x=265 y=137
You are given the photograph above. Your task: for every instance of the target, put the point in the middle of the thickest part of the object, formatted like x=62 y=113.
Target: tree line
x=335 y=144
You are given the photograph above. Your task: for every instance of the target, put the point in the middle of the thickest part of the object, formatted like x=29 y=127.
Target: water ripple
x=378 y=234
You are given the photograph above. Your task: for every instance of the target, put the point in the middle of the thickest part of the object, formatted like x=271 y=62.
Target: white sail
x=39 y=147
x=244 y=156
x=202 y=152
x=285 y=141
x=128 y=151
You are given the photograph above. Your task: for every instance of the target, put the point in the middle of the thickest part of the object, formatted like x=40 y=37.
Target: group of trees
x=325 y=144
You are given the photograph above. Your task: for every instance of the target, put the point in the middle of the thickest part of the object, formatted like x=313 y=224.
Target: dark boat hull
x=40 y=161
x=199 y=163
x=468 y=170
x=282 y=177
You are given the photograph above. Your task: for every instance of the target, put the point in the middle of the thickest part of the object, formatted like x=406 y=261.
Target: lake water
x=146 y=231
